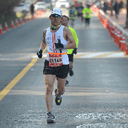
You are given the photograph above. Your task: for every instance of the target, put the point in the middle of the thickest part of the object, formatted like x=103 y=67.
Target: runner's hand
x=59 y=46
x=75 y=51
x=39 y=53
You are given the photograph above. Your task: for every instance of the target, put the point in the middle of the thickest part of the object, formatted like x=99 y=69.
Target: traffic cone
x=12 y=24
x=16 y=22
x=21 y=21
x=105 y=22
x=115 y=34
x=118 y=37
x=6 y=26
x=126 y=51
x=123 y=44
x=25 y=20
x=113 y=31
x=1 y=30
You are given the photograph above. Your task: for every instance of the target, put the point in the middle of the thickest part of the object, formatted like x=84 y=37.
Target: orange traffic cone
x=126 y=50
x=118 y=37
x=25 y=20
x=20 y=21
x=115 y=34
x=123 y=44
x=16 y=22
x=12 y=24
x=105 y=22
x=6 y=26
x=1 y=30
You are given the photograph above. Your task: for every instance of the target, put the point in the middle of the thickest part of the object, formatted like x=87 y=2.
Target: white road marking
x=21 y=56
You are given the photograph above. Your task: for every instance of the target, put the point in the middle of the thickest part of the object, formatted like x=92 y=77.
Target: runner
x=87 y=12
x=70 y=52
x=72 y=13
x=79 y=12
x=56 y=65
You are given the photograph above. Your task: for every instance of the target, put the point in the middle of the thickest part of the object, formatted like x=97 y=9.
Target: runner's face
x=64 y=21
x=55 y=19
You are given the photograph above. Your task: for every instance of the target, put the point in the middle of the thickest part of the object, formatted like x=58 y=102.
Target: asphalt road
x=97 y=95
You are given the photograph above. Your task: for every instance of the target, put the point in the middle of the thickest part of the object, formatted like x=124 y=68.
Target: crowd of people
x=115 y=5
x=83 y=13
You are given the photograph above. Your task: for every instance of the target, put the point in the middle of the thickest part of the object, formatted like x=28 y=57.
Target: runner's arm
x=43 y=42
x=69 y=36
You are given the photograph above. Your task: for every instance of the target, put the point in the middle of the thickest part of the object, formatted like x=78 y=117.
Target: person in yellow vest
x=87 y=12
x=70 y=52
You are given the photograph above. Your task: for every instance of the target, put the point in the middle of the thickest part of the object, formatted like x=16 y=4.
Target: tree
x=6 y=6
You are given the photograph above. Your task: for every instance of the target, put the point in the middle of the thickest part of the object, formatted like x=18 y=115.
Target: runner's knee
x=61 y=91
x=49 y=88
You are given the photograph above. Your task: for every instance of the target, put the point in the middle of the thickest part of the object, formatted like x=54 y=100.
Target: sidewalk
x=121 y=20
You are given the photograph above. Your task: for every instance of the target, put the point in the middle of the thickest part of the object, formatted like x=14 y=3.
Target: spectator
x=32 y=10
x=105 y=6
x=116 y=9
x=121 y=5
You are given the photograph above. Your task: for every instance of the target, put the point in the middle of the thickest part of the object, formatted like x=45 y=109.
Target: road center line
x=6 y=90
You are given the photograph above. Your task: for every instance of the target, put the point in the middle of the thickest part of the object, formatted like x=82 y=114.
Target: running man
x=70 y=52
x=56 y=65
x=72 y=13
x=79 y=11
x=87 y=12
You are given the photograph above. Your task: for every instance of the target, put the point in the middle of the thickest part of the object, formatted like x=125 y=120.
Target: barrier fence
x=119 y=35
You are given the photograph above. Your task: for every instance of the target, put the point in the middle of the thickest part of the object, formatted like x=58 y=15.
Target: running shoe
x=71 y=73
x=58 y=98
x=51 y=118
x=67 y=83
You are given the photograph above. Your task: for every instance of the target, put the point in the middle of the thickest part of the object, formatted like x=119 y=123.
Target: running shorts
x=60 y=72
x=70 y=56
x=87 y=20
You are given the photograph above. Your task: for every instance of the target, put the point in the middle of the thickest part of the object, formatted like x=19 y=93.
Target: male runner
x=79 y=11
x=56 y=65
x=72 y=13
x=87 y=12
x=70 y=52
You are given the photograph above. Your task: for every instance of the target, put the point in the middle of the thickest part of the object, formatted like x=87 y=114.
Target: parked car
x=40 y=6
x=21 y=8
x=62 y=3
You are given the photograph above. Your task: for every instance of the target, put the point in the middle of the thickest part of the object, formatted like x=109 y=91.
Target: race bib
x=87 y=13
x=55 y=60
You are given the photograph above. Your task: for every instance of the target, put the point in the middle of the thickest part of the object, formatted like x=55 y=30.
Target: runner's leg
x=61 y=86
x=49 y=81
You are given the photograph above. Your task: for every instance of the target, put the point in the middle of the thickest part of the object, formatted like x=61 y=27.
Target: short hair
x=66 y=17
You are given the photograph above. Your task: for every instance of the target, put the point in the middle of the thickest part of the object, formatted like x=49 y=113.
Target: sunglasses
x=56 y=15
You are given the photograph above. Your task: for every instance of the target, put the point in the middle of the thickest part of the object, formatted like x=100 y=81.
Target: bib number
x=55 y=60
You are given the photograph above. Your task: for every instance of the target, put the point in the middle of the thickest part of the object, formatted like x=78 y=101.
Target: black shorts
x=80 y=15
x=87 y=20
x=60 y=72
x=70 y=56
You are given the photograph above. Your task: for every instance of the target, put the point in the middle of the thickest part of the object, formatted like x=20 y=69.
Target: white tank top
x=52 y=38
